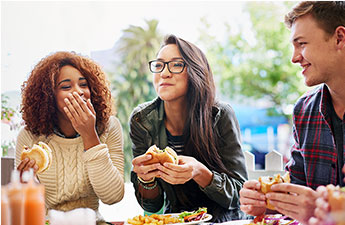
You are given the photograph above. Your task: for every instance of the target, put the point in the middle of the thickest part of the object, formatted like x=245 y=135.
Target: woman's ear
x=340 y=37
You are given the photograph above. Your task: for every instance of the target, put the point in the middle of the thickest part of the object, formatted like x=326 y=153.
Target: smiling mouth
x=305 y=67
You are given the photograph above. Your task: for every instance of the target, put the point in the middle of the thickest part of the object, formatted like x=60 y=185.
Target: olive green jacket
x=222 y=194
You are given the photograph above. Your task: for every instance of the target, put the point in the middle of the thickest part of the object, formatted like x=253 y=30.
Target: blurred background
x=246 y=43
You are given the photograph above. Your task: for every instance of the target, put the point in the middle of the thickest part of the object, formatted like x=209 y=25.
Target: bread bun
x=267 y=181
x=161 y=156
x=336 y=200
x=41 y=153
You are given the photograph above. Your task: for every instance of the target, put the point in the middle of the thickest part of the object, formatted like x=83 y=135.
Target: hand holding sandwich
x=293 y=200
x=173 y=169
x=253 y=201
x=322 y=207
x=38 y=157
x=145 y=166
x=187 y=169
x=145 y=171
x=330 y=200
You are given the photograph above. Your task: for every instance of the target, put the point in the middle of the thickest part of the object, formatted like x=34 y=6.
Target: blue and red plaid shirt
x=314 y=155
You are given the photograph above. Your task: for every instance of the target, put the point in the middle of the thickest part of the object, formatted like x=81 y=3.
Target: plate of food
x=275 y=219
x=183 y=218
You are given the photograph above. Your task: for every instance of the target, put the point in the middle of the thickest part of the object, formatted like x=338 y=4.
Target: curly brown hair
x=39 y=108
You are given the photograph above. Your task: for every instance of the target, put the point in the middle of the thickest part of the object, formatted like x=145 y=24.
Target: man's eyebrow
x=82 y=78
x=296 y=38
x=66 y=80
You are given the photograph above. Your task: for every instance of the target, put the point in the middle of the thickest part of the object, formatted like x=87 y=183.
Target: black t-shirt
x=189 y=195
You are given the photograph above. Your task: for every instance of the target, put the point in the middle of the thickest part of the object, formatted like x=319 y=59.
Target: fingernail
x=35 y=167
x=268 y=195
x=66 y=100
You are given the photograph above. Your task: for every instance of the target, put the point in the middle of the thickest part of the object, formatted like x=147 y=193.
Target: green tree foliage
x=255 y=63
x=8 y=116
x=6 y=111
x=132 y=81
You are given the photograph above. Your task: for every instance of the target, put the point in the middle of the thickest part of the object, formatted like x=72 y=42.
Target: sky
x=30 y=30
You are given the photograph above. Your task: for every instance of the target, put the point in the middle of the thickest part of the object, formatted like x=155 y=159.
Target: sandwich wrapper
x=79 y=216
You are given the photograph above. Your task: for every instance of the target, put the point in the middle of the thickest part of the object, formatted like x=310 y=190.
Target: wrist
x=204 y=176
x=149 y=184
x=146 y=181
x=90 y=140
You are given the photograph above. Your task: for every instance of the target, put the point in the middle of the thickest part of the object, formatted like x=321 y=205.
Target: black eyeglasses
x=175 y=66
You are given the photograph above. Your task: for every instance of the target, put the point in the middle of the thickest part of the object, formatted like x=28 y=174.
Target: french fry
x=153 y=219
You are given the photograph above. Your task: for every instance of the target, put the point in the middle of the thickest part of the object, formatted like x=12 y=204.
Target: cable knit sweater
x=78 y=178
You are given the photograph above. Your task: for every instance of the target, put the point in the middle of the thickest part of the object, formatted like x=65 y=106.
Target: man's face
x=313 y=50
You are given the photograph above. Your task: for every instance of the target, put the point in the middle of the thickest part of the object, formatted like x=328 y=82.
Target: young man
x=318 y=38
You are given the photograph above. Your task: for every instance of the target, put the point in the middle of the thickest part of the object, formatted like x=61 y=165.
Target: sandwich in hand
x=41 y=153
x=161 y=156
x=336 y=200
x=267 y=181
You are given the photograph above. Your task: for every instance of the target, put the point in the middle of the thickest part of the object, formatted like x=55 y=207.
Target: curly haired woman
x=66 y=103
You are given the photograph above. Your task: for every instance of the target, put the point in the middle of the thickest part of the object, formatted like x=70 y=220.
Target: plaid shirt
x=314 y=154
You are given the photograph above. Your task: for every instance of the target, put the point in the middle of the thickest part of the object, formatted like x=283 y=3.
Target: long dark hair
x=200 y=137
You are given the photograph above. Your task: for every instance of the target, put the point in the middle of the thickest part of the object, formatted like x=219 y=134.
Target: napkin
x=80 y=216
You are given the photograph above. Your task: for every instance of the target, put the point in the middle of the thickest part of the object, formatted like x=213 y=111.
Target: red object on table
x=117 y=223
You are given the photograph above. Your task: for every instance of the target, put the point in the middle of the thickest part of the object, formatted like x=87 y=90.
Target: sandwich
x=267 y=181
x=41 y=153
x=161 y=156
x=336 y=200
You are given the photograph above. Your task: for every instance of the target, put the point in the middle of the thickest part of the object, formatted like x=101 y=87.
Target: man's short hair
x=328 y=14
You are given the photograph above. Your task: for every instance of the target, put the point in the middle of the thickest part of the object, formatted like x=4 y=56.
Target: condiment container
x=15 y=193
x=34 y=205
x=5 y=207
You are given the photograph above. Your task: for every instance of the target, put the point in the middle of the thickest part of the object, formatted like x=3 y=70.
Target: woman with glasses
x=204 y=132
x=67 y=103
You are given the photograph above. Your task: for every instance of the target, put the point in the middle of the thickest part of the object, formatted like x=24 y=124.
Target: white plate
x=207 y=217
x=237 y=222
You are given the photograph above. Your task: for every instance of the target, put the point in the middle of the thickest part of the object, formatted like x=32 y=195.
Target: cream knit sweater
x=76 y=178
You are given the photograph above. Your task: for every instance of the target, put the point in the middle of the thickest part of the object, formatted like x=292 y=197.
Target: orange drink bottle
x=5 y=207
x=34 y=206
x=15 y=193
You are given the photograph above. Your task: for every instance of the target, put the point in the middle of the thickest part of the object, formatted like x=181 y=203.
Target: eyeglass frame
x=167 y=63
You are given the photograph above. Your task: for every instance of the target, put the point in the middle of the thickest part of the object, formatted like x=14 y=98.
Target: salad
x=193 y=216
x=276 y=219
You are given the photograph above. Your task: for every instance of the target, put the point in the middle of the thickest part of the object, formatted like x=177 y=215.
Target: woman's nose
x=79 y=91
x=165 y=73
